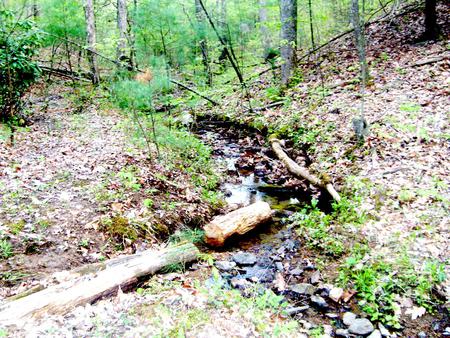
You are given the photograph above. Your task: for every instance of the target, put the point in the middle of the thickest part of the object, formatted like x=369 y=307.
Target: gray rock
x=319 y=302
x=296 y=272
x=240 y=283
x=349 y=318
x=375 y=334
x=296 y=310
x=315 y=277
x=279 y=266
x=422 y=335
x=341 y=333
x=384 y=332
x=225 y=265
x=259 y=274
x=303 y=289
x=336 y=294
x=361 y=326
x=244 y=258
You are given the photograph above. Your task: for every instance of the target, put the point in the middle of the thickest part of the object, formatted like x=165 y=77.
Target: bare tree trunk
x=431 y=26
x=91 y=40
x=203 y=43
x=360 y=40
x=311 y=27
x=266 y=40
x=122 y=24
x=360 y=124
x=288 y=9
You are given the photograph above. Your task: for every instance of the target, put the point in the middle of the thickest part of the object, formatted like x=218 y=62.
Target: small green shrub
x=6 y=249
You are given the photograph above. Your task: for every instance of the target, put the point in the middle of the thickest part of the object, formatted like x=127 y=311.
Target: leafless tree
x=288 y=9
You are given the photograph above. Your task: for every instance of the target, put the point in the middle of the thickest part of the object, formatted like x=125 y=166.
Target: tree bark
x=288 y=10
x=122 y=25
x=203 y=44
x=238 y=222
x=98 y=281
x=91 y=40
x=265 y=35
x=360 y=41
x=431 y=26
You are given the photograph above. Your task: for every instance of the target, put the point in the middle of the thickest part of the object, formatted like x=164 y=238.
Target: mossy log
x=94 y=284
x=237 y=222
x=301 y=172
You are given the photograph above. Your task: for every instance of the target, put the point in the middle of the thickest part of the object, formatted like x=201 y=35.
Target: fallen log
x=118 y=273
x=238 y=222
x=301 y=172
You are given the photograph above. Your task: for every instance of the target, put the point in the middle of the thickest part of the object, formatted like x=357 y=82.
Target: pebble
x=422 y=335
x=225 y=265
x=336 y=294
x=384 y=332
x=296 y=310
x=296 y=272
x=315 y=277
x=319 y=302
x=240 y=283
x=375 y=334
x=361 y=326
x=303 y=289
x=279 y=266
x=244 y=258
x=348 y=318
x=341 y=333
x=259 y=274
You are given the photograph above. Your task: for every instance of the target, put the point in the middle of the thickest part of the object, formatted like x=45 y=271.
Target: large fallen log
x=118 y=273
x=238 y=222
x=301 y=172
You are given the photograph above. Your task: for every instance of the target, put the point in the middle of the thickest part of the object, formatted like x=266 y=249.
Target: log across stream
x=254 y=174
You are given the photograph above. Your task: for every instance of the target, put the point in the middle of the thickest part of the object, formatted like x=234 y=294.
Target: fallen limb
x=238 y=222
x=430 y=60
x=101 y=280
x=299 y=171
x=195 y=92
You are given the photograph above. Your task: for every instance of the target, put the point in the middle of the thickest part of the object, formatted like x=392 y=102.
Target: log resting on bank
x=301 y=172
x=122 y=273
x=238 y=222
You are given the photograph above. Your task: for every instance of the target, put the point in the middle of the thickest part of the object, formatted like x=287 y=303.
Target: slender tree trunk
x=91 y=40
x=288 y=9
x=203 y=43
x=311 y=26
x=122 y=25
x=360 y=124
x=431 y=27
x=266 y=40
x=360 y=40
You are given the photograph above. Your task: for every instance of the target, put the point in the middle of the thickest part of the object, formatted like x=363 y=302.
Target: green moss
x=120 y=227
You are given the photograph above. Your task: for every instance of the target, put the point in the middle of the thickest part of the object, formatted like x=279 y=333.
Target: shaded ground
x=71 y=180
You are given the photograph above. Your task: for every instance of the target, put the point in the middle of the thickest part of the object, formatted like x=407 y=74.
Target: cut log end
x=237 y=222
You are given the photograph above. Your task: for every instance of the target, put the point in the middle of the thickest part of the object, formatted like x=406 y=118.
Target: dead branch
x=299 y=171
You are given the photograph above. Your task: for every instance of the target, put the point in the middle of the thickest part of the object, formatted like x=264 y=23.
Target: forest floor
x=73 y=177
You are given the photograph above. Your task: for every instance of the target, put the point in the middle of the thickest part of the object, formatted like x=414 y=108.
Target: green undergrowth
x=328 y=232
x=260 y=308
x=379 y=280
x=380 y=283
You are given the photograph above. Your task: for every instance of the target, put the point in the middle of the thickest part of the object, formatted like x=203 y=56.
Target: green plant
x=187 y=235
x=129 y=179
x=19 y=42
x=317 y=332
x=409 y=107
x=6 y=249
x=17 y=227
